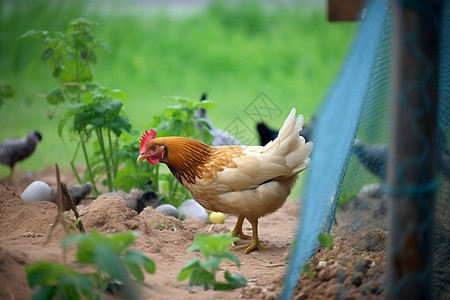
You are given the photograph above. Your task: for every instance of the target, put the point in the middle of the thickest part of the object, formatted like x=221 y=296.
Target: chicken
x=267 y=134
x=373 y=157
x=248 y=181
x=15 y=150
x=221 y=137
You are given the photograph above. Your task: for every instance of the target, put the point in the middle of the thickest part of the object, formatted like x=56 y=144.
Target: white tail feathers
x=291 y=145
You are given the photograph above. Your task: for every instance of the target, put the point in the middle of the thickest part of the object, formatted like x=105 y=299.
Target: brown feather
x=189 y=159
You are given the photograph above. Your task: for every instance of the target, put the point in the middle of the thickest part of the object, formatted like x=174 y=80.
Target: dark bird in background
x=267 y=134
x=221 y=137
x=138 y=199
x=373 y=157
x=15 y=150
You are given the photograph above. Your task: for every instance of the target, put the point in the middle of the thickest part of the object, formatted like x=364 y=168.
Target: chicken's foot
x=237 y=231
x=255 y=244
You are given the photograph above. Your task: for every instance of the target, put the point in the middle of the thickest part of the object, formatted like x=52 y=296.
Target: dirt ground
x=353 y=268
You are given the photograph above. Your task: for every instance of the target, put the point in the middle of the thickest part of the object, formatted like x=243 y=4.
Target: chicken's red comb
x=146 y=137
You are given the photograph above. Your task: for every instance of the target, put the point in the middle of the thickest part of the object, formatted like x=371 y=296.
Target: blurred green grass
x=231 y=51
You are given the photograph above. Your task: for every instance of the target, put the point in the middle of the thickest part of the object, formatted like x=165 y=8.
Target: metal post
x=411 y=177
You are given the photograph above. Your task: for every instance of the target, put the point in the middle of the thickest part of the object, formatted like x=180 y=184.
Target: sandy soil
x=353 y=268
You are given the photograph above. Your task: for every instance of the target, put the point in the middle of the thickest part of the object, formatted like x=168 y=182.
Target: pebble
x=357 y=278
x=322 y=264
x=168 y=209
x=332 y=289
x=37 y=191
x=191 y=209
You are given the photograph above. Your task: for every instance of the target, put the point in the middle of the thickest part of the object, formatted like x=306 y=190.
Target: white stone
x=37 y=191
x=168 y=209
x=191 y=209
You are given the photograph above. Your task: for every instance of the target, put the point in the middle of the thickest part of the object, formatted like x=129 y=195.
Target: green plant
x=215 y=250
x=306 y=270
x=93 y=109
x=108 y=255
x=325 y=240
x=179 y=119
x=213 y=51
x=6 y=91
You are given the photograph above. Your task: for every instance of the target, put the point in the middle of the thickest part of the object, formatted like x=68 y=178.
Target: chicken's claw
x=254 y=245
x=241 y=235
x=237 y=231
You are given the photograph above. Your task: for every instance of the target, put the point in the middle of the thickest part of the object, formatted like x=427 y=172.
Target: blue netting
x=351 y=142
x=334 y=132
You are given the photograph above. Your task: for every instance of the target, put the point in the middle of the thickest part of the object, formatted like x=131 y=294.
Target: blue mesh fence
x=351 y=149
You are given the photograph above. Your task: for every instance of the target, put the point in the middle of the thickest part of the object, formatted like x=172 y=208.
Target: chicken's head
x=149 y=149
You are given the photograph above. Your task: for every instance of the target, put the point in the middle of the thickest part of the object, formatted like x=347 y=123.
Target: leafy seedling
x=215 y=250
x=109 y=256
x=306 y=270
x=93 y=110
x=325 y=240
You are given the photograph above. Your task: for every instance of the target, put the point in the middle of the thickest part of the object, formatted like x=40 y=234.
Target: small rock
x=301 y=296
x=37 y=191
x=357 y=278
x=332 y=290
x=363 y=265
x=77 y=192
x=373 y=190
x=322 y=264
x=341 y=274
x=191 y=209
x=374 y=241
x=327 y=273
x=168 y=209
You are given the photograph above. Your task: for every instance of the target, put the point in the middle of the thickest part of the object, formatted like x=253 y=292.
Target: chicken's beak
x=141 y=157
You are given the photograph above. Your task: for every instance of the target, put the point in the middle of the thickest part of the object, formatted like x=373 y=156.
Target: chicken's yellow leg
x=237 y=231
x=255 y=244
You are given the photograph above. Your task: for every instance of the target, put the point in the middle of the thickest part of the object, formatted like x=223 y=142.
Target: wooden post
x=413 y=148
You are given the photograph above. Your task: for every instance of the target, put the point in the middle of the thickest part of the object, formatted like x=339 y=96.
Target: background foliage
x=231 y=51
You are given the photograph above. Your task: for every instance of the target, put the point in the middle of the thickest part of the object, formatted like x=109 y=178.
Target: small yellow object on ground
x=217 y=218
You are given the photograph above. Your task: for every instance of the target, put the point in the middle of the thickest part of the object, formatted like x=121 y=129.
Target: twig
x=69 y=204
x=59 y=207
x=350 y=227
x=275 y=265
x=261 y=259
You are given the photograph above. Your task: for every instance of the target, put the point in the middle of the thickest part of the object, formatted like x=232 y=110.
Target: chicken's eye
x=153 y=148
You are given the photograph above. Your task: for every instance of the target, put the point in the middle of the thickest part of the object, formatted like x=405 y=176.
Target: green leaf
x=325 y=240
x=202 y=122
x=41 y=34
x=57 y=71
x=306 y=270
x=187 y=269
x=212 y=264
x=44 y=293
x=119 y=94
x=56 y=279
x=55 y=97
x=206 y=104
x=134 y=260
x=202 y=277
x=29 y=33
x=47 y=54
x=216 y=243
x=234 y=281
